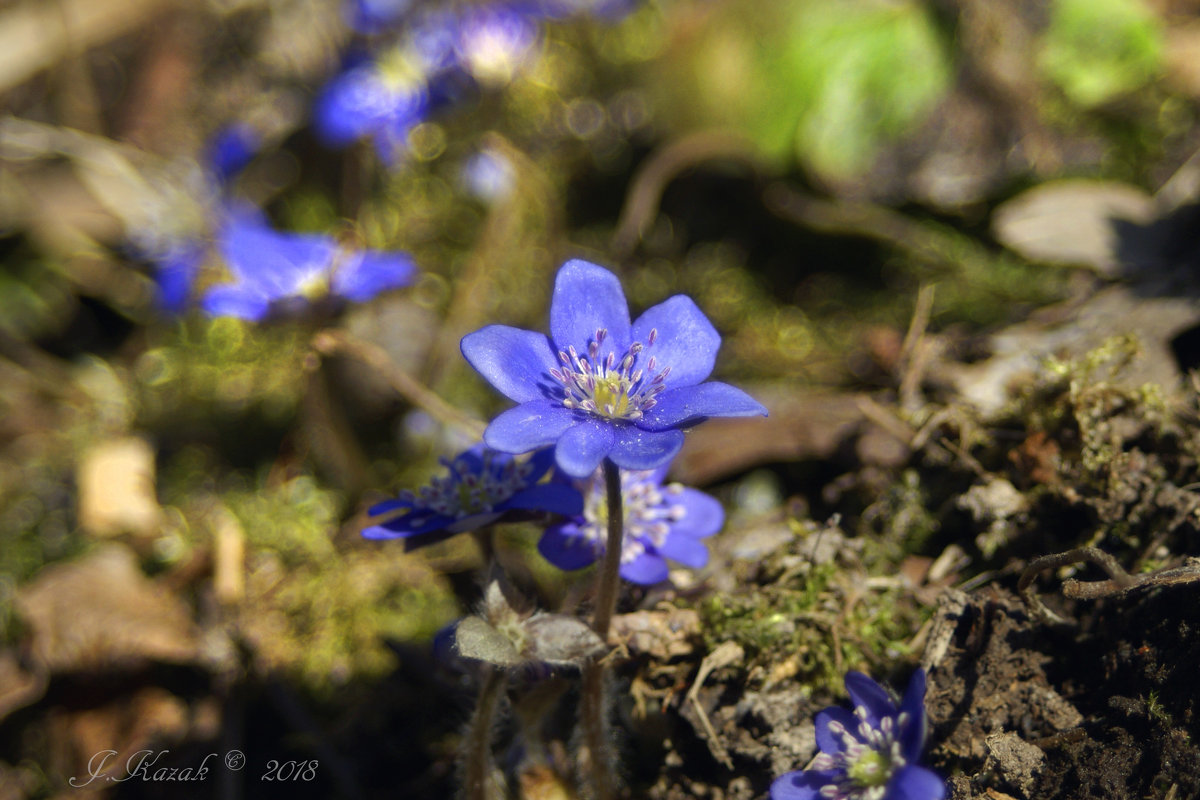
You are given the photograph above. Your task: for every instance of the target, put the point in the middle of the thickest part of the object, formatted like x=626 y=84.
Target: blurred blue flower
x=231 y=149
x=604 y=10
x=495 y=42
x=481 y=487
x=432 y=39
x=489 y=175
x=870 y=753
x=176 y=269
x=380 y=100
x=661 y=522
x=599 y=386
x=178 y=221
x=271 y=267
x=375 y=16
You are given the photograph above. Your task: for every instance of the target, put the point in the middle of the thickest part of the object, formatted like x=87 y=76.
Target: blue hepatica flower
x=661 y=522
x=599 y=386
x=271 y=268
x=178 y=219
x=380 y=100
x=870 y=753
x=481 y=487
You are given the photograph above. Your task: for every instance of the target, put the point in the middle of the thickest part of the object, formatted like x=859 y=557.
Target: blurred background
x=837 y=183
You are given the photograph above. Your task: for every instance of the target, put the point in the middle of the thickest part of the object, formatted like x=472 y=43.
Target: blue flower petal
x=363 y=275
x=802 y=784
x=387 y=506
x=360 y=102
x=586 y=299
x=658 y=474
x=402 y=527
x=686 y=550
x=646 y=569
x=472 y=459
x=176 y=272
x=681 y=406
x=374 y=16
x=236 y=300
x=915 y=783
x=231 y=149
x=557 y=498
x=635 y=448
x=529 y=426
x=540 y=463
x=827 y=740
x=870 y=695
x=277 y=264
x=703 y=514
x=517 y=362
x=912 y=736
x=582 y=447
x=685 y=340
x=336 y=115
x=564 y=547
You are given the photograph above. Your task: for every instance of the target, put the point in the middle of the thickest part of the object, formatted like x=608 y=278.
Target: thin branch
x=914 y=352
x=331 y=342
x=663 y=166
x=1120 y=579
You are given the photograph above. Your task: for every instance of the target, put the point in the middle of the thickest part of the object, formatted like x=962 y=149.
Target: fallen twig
x=1119 y=582
x=333 y=342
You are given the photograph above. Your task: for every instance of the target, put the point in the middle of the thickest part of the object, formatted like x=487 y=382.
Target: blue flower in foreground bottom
x=870 y=753
x=599 y=386
x=482 y=486
x=661 y=522
x=270 y=267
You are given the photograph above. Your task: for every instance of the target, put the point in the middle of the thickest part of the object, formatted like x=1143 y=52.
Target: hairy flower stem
x=599 y=765
x=610 y=577
x=478 y=769
x=593 y=701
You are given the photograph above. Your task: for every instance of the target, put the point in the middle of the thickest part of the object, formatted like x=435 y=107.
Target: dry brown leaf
x=1072 y=222
x=800 y=426
x=663 y=634
x=101 y=612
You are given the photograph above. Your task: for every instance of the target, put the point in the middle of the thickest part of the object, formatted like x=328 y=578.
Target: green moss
x=326 y=623
x=900 y=521
x=203 y=369
x=320 y=610
x=295 y=519
x=803 y=619
x=1157 y=710
x=1084 y=396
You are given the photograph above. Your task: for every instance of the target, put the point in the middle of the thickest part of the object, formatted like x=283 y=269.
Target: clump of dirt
x=1104 y=707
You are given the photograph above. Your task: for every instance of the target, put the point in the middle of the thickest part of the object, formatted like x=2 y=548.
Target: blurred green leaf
x=827 y=83
x=1095 y=50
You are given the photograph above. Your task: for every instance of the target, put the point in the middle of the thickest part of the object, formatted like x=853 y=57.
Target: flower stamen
x=868 y=758
x=469 y=489
x=649 y=509
x=610 y=387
